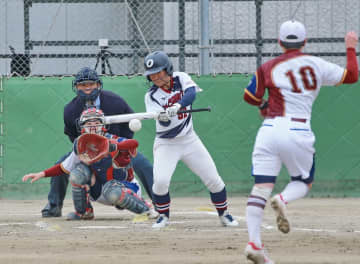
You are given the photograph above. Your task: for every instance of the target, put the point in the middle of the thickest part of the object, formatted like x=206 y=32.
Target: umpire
x=88 y=87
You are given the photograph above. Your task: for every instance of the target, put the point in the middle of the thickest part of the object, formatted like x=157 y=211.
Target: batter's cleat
x=89 y=215
x=279 y=206
x=227 y=220
x=162 y=221
x=51 y=210
x=257 y=255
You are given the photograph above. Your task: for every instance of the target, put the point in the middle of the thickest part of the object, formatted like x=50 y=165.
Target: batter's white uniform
x=178 y=141
x=293 y=81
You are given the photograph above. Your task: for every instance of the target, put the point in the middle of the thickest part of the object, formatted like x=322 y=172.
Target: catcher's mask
x=156 y=62
x=92 y=121
x=87 y=75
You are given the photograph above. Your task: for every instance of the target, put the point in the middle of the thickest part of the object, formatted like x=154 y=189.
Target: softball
x=135 y=125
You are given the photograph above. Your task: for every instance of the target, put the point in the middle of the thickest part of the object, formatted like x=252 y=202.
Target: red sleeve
x=121 y=159
x=352 y=68
x=251 y=99
x=55 y=170
x=127 y=144
x=255 y=90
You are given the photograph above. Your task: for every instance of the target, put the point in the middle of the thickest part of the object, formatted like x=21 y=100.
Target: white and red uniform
x=293 y=81
x=178 y=141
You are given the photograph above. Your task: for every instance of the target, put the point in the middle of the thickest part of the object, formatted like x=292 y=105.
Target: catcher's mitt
x=92 y=148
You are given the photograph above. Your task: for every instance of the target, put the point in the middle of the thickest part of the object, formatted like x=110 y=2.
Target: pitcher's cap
x=292 y=31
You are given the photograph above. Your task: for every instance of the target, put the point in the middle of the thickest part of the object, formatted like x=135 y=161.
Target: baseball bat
x=125 y=118
x=206 y=109
x=114 y=119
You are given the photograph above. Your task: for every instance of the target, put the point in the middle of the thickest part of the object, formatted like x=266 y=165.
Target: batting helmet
x=92 y=114
x=156 y=62
x=87 y=75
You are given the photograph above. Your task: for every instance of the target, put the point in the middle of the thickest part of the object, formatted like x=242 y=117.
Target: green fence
x=32 y=136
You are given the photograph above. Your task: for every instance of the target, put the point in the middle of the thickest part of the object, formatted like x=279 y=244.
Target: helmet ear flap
x=169 y=68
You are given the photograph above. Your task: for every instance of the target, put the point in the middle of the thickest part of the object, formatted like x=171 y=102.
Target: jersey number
x=306 y=73
x=182 y=115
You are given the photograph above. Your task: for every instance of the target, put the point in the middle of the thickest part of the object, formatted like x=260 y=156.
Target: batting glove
x=163 y=117
x=172 y=110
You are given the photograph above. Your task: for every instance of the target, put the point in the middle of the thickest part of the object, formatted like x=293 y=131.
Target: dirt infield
x=323 y=231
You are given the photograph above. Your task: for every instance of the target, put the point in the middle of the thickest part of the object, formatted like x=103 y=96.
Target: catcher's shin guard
x=124 y=198
x=80 y=179
x=81 y=199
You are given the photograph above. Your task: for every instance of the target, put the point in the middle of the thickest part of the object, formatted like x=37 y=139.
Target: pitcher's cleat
x=162 y=221
x=279 y=206
x=227 y=220
x=257 y=255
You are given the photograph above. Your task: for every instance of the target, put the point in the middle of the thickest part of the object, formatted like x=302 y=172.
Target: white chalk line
x=15 y=223
x=44 y=225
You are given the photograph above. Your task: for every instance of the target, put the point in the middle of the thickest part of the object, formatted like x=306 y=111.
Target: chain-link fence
x=57 y=37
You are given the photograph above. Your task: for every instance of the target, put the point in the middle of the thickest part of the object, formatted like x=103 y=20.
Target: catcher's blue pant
x=142 y=166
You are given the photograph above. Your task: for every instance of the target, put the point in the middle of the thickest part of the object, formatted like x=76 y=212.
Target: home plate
x=205 y=209
x=140 y=218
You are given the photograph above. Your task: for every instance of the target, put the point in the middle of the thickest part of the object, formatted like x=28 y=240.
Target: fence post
x=27 y=44
x=182 y=39
x=204 y=40
x=259 y=42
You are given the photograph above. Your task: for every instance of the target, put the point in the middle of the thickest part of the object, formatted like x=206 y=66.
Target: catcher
x=100 y=169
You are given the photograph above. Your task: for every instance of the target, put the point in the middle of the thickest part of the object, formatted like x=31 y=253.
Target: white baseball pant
x=284 y=140
x=190 y=150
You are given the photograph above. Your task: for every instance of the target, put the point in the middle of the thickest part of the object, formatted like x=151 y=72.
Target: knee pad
x=263 y=192
x=112 y=191
x=117 y=194
x=259 y=196
x=80 y=175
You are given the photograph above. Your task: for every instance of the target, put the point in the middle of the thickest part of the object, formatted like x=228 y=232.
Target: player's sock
x=162 y=204
x=255 y=211
x=294 y=190
x=254 y=216
x=220 y=201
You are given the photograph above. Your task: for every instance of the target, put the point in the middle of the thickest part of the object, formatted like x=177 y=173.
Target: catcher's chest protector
x=104 y=171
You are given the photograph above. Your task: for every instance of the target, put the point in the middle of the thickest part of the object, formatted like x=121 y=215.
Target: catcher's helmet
x=92 y=114
x=156 y=62
x=87 y=75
